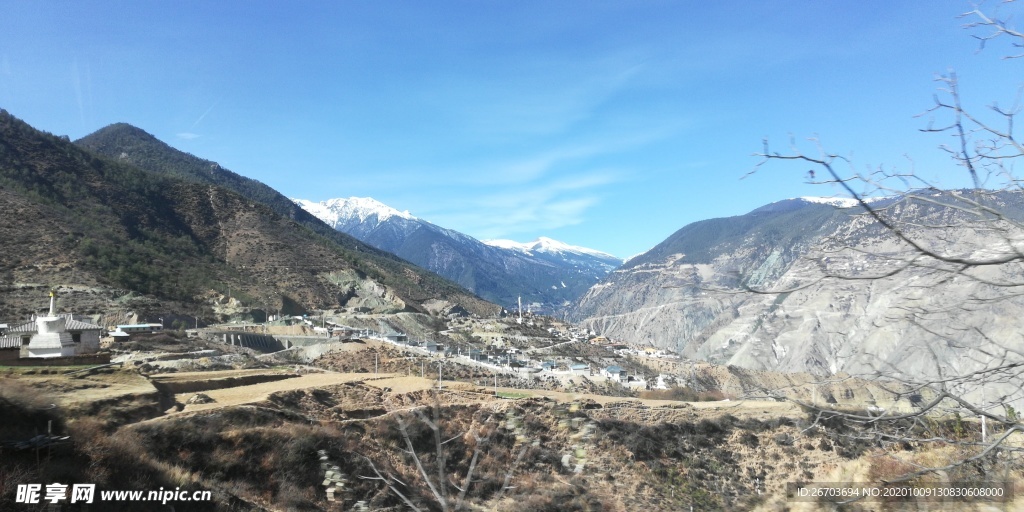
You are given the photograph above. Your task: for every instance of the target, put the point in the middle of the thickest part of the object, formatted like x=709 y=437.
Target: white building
x=144 y=328
x=54 y=335
x=615 y=372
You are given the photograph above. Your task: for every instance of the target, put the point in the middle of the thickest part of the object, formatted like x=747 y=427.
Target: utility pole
x=983 y=430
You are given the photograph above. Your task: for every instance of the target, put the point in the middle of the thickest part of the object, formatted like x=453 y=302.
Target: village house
x=477 y=355
x=140 y=328
x=580 y=369
x=396 y=337
x=615 y=372
x=10 y=348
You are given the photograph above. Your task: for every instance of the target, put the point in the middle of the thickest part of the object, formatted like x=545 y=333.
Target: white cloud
x=534 y=97
x=203 y=116
x=526 y=208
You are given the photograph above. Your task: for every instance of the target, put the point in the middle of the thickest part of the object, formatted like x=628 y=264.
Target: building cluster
x=514 y=358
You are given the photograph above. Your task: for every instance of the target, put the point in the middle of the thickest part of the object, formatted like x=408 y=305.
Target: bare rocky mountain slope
x=847 y=295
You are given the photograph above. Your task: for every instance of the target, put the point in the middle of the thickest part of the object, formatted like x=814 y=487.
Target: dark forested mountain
x=843 y=293
x=128 y=144
x=546 y=272
x=110 y=233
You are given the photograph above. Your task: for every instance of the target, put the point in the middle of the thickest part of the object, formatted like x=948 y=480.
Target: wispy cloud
x=203 y=116
x=525 y=208
x=80 y=94
x=540 y=144
x=519 y=169
x=190 y=134
x=532 y=167
x=538 y=98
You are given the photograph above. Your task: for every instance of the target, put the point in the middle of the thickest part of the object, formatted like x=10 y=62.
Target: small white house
x=134 y=328
x=615 y=372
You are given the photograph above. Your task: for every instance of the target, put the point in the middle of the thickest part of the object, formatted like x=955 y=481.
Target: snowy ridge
x=508 y=244
x=335 y=211
x=839 y=202
x=545 y=271
x=546 y=245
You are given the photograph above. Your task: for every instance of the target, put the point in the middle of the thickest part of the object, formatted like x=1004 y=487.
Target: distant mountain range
x=850 y=299
x=120 y=220
x=544 y=271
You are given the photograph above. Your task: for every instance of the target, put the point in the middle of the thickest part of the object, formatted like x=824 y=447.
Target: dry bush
x=887 y=466
x=683 y=394
x=120 y=460
x=19 y=394
x=559 y=497
x=12 y=475
x=25 y=411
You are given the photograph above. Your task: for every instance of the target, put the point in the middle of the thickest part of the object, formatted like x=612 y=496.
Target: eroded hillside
x=826 y=290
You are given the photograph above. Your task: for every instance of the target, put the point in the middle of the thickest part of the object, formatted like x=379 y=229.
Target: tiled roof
x=75 y=325
x=10 y=342
x=70 y=325
x=25 y=328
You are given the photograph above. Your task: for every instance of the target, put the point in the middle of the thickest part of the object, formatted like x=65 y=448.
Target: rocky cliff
x=802 y=285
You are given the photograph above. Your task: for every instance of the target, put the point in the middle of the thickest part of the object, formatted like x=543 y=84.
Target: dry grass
x=259 y=392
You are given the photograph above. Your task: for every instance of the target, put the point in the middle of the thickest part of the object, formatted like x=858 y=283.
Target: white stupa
x=53 y=335
x=51 y=338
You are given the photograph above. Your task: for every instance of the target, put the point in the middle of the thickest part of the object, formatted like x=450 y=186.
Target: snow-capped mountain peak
x=333 y=211
x=544 y=271
x=546 y=245
x=508 y=244
x=840 y=202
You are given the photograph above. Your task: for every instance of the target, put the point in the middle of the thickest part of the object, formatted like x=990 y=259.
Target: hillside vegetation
x=117 y=232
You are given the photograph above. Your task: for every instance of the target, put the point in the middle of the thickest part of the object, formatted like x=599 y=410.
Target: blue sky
x=603 y=124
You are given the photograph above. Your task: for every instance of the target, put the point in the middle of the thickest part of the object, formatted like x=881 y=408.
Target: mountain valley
x=548 y=273
x=710 y=372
